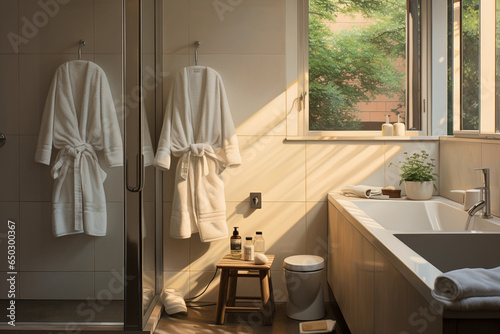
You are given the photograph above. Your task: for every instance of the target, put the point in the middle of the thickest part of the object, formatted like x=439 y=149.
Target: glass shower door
x=74 y=277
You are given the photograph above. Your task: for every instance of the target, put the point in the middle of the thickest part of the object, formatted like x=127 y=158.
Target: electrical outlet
x=256 y=200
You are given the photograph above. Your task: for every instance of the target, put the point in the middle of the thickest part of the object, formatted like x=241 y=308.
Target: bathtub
x=424 y=216
x=427 y=238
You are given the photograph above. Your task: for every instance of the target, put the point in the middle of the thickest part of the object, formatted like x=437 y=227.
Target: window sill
x=362 y=138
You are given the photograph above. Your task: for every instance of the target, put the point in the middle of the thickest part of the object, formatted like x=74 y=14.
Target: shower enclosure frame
x=135 y=317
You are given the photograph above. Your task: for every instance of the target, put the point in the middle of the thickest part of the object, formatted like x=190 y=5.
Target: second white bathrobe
x=79 y=119
x=197 y=128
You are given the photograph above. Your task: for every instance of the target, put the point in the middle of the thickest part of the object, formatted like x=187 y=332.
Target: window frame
x=301 y=102
x=487 y=44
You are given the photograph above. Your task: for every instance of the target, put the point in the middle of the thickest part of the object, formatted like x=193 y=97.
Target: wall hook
x=81 y=44
x=196 y=46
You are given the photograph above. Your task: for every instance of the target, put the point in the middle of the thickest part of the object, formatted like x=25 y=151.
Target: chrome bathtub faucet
x=485 y=191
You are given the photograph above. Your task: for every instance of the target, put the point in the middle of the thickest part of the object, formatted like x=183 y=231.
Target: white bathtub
x=423 y=216
x=425 y=237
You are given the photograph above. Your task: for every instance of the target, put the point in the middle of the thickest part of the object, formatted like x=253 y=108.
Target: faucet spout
x=472 y=211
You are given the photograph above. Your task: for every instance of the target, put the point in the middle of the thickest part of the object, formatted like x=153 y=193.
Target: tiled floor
x=202 y=320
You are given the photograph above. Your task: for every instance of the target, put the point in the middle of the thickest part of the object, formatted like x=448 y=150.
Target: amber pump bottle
x=236 y=245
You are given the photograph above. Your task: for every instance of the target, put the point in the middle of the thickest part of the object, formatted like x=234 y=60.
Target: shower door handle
x=3 y=139
x=139 y=174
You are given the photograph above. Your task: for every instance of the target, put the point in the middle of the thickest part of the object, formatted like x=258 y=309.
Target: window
x=363 y=61
x=476 y=67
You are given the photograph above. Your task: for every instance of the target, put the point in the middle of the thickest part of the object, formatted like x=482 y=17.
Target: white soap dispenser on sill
x=399 y=128
x=387 y=128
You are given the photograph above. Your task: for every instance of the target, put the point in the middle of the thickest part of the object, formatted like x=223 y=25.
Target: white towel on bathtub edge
x=364 y=192
x=466 y=283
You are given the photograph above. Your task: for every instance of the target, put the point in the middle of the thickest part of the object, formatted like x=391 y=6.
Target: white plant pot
x=419 y=190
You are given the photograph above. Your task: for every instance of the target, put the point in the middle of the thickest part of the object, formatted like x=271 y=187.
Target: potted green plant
x=418 y=175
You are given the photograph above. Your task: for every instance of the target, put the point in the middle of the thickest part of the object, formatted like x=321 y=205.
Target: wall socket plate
x=256 y=200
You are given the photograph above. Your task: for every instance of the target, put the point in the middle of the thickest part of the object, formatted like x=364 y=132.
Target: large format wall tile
x=9 y=170
x=176 y=27
x=8 y=26
x=178 y=280
x=175 y=251
x=109 y=250
x=242 y=27
x=282 y=224
x=394 y=153
x=108 y=26
x=35 y=180
x=269 y=166
x=57 y=28
x=57 y=285
x=9 y=211
x=109 y=285
x=9 y=94
x=458 y=160
x=334 y=165
x=490 y=155
x=42 y=251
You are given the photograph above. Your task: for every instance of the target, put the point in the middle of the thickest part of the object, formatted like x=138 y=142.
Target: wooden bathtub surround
x=231 y=269
x=373 y=295
x=378 y=294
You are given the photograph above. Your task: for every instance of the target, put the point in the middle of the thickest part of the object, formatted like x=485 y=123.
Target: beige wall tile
x=35 y=180
x=178 y=280
x=109 y=250
x=108 y=26
x=317 y=225
x=9 y=94
x=333 y=166
x=176 y=27
x=255 y=87
x=282 y=224
x=394 y=153
x=8 y=26
x=42 y=251
x=198 y=280
x=9 y=169
x=57 y=285
x=457 y=162
x=239 y=27
x=56 y=29
x=175 y=251
x=490 y=156
x=108 y=286
x=8 y=211
x=270 y=166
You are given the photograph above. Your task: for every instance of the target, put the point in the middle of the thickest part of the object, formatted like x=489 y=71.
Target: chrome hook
x=81 y=45
x=3 y=139
x=196 y=45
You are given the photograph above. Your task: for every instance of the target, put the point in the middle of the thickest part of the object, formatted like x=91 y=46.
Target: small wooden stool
x=230 y=271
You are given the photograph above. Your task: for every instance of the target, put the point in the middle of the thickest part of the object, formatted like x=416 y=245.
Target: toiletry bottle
x=258 y=243
x=236 y=245
x=248 y=252
x=399 y=128
x=387 y=127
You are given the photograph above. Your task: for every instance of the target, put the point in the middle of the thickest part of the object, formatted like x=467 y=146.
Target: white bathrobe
x=197 y=125
x=79 y=119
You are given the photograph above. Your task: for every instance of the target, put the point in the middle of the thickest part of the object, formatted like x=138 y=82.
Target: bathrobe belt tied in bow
x=197 y=204
x=76 y=154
